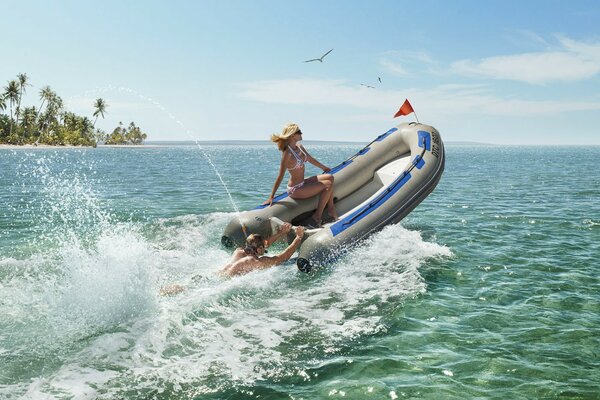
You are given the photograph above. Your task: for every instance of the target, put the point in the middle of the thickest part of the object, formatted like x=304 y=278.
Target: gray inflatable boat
x=375 y=187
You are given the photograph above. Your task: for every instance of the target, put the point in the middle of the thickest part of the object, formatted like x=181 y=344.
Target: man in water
x=251 y=257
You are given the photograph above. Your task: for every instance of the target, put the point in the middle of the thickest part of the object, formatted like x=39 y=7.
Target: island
x=50 y=124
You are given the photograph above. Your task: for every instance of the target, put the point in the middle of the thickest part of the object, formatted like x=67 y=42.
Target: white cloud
x=442 y=100
x=521 y=37
x=572 y=61
x=310 y=92
x=393 y=68
x=398 y=63
x=335 y=109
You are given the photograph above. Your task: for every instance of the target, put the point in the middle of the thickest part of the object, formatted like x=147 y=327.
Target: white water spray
x=181 y=125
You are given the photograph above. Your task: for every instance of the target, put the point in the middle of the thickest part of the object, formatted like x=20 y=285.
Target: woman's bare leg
x=330 y=206
x=323 y=199
x=321 y=185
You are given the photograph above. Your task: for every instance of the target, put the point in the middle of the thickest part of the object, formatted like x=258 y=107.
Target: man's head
x=255 y=245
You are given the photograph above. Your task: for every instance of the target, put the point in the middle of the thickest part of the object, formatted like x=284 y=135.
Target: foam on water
x=83 y=274
x=220 y=332
x=223 y=333
x=83 y=316
x=107 y=285
x=512 y=313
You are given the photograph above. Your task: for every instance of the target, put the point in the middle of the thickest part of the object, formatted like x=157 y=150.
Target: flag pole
x=416 y=117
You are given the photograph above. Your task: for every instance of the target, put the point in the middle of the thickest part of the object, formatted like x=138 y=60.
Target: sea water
x=489 y=289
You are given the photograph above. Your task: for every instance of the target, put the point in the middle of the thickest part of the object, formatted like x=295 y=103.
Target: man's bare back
x=252 y=258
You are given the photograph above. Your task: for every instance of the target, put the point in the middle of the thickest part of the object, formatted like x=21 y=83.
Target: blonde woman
x=293 y=158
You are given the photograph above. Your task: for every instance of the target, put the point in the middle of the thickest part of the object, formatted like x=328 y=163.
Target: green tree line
x=50 y=123
x=130 y=135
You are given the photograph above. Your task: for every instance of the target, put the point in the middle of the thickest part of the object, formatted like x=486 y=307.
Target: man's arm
x=285 y=228
x=249 y=263
x=266 y=262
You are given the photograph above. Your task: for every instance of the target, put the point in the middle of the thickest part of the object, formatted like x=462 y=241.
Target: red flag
x=405 y=109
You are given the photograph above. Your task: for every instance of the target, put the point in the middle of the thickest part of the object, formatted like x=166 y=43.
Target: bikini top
x=299 y=161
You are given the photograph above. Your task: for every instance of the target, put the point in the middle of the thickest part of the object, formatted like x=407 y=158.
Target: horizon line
x=263 y=141
x=348 y=142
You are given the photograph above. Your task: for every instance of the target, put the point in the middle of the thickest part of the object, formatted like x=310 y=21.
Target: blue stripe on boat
x=340 y=167
x=350 y=220
x=383 y=136
x=418 y=162
x=427 y=136
x=275 y=200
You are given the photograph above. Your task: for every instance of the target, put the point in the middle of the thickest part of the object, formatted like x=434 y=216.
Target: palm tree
x=86 y=126
x=11 y=92
x=100 y=106
x=69 y=120
x=23 y=78
x=29 y=116
x=29 y=122
x=50 y=117
x=2 y=108
x=46 y=94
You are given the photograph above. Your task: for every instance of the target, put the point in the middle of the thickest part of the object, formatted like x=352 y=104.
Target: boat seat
x=387 y=174
x=383 y=177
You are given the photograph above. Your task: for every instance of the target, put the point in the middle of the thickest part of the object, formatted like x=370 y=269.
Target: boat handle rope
x=390 y=188
x=359 y=153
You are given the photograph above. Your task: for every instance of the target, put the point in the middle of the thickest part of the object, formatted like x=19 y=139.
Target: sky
x=502 y=72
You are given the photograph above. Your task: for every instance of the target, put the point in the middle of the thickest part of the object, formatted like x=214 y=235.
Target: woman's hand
x=326 y=169
x=269 y=202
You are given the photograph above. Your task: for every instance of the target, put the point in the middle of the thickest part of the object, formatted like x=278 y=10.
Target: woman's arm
x=314 y=161
x=278 y=180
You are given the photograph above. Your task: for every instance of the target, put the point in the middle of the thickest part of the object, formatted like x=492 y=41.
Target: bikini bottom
x=292 y=189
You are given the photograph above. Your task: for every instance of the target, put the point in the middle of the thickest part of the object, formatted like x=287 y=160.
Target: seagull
x=319 y=59
x=370 y=87
x=379 y=78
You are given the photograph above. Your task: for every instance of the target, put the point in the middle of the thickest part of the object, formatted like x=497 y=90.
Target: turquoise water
x=489 y=289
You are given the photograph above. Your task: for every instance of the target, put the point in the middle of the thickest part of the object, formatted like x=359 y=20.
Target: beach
x=46 y=146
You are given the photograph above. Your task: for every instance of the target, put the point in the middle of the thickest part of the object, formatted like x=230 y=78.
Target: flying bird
x=379 y=79
x=319 y=59
x=370 y=87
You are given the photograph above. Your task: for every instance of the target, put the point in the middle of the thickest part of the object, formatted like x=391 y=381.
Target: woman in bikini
x=293 y=158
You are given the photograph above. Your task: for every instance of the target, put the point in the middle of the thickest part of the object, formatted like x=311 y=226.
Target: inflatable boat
x=375 y=187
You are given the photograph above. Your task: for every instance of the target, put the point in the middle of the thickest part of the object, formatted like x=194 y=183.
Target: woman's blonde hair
x=282 y=139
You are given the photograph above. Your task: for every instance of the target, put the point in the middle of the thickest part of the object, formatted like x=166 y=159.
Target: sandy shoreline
x=47 y=146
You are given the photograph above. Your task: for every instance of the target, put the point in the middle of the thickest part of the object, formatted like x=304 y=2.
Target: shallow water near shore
x=488 y=289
